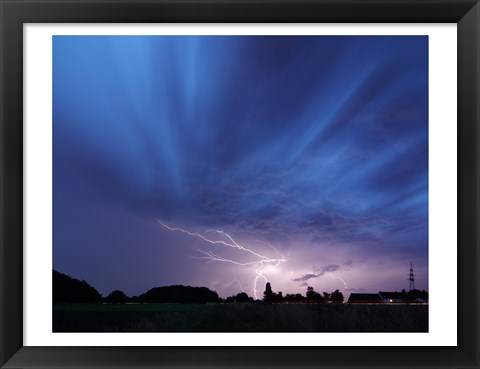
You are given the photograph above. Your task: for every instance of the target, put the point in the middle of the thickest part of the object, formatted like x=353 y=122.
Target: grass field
x=240 y=318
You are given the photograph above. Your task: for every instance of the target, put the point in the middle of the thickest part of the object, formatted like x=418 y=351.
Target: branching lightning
x=259 y=260
x=340 y=279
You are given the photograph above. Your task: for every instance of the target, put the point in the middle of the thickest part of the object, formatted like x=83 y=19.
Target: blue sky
x=309 y=151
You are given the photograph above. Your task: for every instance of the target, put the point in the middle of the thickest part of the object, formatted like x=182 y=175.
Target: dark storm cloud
x=277 y=138
x=318 y=273
x=305 y=277
x=328 y=268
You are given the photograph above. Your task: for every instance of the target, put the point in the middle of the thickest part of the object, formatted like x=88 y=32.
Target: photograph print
x=240 y=184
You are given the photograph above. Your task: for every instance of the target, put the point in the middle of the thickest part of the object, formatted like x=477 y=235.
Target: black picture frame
x=15 y=13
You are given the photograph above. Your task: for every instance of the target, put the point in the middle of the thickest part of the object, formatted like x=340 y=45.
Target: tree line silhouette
x=68 y=290
x=311 y=296
x=412 y=295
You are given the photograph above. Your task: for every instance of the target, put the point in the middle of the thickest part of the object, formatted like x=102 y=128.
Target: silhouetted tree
x=179 y=294
x=416 y=296
x=268 y=294
x=299 y=298
x=337 y=297
x=277 y=297
x=313 y=296
x=116 y=297
x=326 y=297
x=241 y=297
x=310 y=292
x=294 y=298
x=68 y=290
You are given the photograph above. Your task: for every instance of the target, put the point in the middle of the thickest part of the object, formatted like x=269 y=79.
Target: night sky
x=302 y=159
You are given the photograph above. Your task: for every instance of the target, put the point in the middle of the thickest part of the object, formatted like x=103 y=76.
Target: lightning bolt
x=344 y=283
x=258 y=259
x=340 y=279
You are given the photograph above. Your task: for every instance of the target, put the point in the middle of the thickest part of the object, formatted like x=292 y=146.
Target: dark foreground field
x=240 y=318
